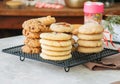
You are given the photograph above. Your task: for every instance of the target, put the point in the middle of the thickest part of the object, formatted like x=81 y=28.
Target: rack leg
x=67 y=69
x=22 y=58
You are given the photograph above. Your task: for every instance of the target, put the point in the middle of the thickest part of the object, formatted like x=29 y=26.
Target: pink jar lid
x=93 y=7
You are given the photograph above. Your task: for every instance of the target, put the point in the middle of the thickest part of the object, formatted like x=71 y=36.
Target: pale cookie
x=47 y=20
x=86 y=43
x=56 y=53
x=32 y=42
x=27 y=49
x=90 y=50
x=29 y=34
x=75 y=28
x=56 y=48
x=61 y=27
x=55 y=36
x=34 y=25
x=90 y=37
x=58 y=58
x=91 y=28
x=55 y=43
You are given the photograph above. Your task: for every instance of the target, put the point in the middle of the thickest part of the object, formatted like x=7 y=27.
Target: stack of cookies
x=57 y=45
x=90 y=38
x=32 y=29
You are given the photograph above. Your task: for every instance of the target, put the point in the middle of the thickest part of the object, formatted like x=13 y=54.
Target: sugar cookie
x=55 y=36
x=90 y=37
x=91 y=28
x=55 y=43
x=86 y=43
x=58 y=58
x=90 y=50
x=47 y=47
x=61 y=27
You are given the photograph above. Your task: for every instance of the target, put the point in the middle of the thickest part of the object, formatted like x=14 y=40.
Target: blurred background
x=8 y=18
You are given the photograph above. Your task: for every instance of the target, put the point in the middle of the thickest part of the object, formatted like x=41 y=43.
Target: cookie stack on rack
x=57 y=45
x=32 y=29
x=90 y=38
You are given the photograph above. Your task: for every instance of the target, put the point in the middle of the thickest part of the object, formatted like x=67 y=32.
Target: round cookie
x=28 y=34
x=61 y=27
x=32 y=42
x=58 y=58
x=91 y=28
x=90 y=50
x=47 y=20
x=27 y=49
x=55 y=43
x=86 y=43
x=56 y=53
x=33 y=25
x=55 y=36
x=56 y=48
x=90 y=37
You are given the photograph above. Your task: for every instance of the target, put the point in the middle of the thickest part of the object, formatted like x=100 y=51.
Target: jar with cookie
x=93 y=12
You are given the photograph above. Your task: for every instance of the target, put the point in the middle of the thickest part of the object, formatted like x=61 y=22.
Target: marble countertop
x=13 y=71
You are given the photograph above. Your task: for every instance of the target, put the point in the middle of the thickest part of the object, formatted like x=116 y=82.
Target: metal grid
x=77 y=58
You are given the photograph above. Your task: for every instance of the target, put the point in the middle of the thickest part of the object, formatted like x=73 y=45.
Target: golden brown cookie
x=86 y=43
x=28 y=34
x=90 y=49
x=56 y=43
x=47 y=20
x=53 y=48
x=55 y=36
x=32 y=42
x=90 y=37
x=27 y=49
x=91 y=28
x=58 y=58
x=61 y=27
x=56 y=53
x=33 y=25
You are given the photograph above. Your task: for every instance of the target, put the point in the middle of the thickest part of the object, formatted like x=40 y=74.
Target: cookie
x=56 y=53
x=34 y=25
x=56 y=43
x=28 y=34
x=75 y=28
x=32 y=42
x=58 y=58
x=91 y=28
x=90 y=50
x=55 y=36
x=86 y=43
x=47 y=20
x=27 y=49
x=61 y=27
x=90 y=37
x=52 y=48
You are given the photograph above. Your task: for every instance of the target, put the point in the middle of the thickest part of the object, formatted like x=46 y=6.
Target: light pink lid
x=93 y=7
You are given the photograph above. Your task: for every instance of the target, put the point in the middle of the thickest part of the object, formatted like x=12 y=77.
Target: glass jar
x=93 y=12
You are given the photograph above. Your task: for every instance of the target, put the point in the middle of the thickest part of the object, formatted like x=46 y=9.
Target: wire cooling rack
x=77 y=58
